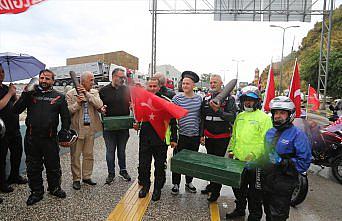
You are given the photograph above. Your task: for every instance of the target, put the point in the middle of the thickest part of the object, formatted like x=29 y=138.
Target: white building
x=170 y=72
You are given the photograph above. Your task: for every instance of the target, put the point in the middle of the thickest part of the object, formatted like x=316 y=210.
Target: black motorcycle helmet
x=286 y=104
x=67 y=137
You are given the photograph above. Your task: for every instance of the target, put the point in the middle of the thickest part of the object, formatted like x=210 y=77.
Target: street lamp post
x=282 y=51
x=237 y=71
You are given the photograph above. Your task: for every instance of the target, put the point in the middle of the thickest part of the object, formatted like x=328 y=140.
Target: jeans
x=116 y=140
x=189 y=143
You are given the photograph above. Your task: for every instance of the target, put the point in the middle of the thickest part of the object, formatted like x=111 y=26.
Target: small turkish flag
x=313 y=98
x=270 y=90
x=295 y=90
x=158 y=111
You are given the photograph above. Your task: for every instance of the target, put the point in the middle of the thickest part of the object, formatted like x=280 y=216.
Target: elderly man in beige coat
x=84 y=103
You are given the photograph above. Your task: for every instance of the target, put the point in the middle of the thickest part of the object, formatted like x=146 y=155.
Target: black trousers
x=14 y=144
x=278 y=189
x=217 y=147
x=41 y=151
x=250 y=189
x=189 y=143
x=159 y=153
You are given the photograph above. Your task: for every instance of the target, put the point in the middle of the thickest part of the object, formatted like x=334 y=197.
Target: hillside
x=308 y=59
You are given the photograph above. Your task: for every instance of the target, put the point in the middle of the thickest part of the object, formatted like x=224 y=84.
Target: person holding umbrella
x=44 y=107
x=12 y=139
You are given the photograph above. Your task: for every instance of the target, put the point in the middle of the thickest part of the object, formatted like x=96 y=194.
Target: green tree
x=309 y=71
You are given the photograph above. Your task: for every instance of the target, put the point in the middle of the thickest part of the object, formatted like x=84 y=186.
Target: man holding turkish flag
x=295 y=90
x=156 y=113
x=270 y=91
x=313 y=98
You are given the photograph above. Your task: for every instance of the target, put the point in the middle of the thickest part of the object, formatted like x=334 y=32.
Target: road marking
x=130 y=207
x=214 y=211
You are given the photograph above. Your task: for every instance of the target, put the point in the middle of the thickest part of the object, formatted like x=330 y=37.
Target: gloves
x=275 y=158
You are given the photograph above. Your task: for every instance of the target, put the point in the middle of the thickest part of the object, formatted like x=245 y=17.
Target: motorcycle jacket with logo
x=43 y=110
x=293 y=146
x=217 y=124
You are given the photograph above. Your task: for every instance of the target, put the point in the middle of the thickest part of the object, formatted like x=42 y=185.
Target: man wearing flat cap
x=189 y=126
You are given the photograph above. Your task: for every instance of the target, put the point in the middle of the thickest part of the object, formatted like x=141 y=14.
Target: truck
x=62 y=77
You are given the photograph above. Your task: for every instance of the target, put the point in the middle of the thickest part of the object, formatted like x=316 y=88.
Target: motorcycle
x=326 y=152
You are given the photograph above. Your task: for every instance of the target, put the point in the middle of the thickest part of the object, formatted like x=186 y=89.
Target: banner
x=16 y=6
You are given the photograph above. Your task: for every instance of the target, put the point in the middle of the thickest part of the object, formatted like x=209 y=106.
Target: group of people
x=79 y=111
x=274 y=150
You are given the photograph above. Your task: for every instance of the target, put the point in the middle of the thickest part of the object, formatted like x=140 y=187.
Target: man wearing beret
x=189 y=126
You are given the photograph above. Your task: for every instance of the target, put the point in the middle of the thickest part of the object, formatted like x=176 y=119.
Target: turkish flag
x=15 y=6
x=295 y=89
x=313 y=98
x=158 y=111
x=270 y=90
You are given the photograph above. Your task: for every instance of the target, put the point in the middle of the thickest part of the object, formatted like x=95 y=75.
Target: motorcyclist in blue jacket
x=289 y=153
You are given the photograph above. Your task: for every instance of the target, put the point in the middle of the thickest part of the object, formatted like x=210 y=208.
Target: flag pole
x=307 y=103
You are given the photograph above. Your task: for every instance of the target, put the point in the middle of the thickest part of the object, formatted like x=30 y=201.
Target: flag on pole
x=294 y=93
x=15 y=6
x=148 y=107
x=270 y=90
x=313 y=98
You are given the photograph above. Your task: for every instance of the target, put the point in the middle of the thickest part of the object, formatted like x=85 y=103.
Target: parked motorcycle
x=326 y=152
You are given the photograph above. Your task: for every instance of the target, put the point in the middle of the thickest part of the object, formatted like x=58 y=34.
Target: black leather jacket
x=43 y=110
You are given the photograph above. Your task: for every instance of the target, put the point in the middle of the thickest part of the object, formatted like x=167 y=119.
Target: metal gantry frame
x=324 y=53
x=208 y=7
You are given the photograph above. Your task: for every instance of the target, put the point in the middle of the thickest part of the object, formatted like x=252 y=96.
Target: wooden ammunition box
x=118 y=122
x=208 y=167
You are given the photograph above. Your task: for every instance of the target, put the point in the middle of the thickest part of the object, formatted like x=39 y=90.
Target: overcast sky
x=57 y=29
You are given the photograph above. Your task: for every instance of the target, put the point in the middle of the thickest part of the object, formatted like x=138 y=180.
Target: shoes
x=58 y=192
x=34 y=198
x=156 y=194
x=205 y=191
x=213 y=197
x=17 y=180
x=6 y=189
x=235 y=214
x=110 y=178
x=125 y=175
x=189 y=187
x=76 y=185
x=175 y=189
x=143 y=192
x=89 y=182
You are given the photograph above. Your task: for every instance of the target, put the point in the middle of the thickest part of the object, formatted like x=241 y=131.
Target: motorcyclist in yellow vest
x=247 y=144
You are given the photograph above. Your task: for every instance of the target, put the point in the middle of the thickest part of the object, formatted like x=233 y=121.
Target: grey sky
x=57 y=29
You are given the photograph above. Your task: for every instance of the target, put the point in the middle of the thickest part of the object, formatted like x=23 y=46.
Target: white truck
x=62 y=77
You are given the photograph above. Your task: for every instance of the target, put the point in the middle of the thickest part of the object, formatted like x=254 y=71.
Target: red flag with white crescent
x=313 y=99
x=294 y=93
x=151 y=108
x=16 y=6
x=270 y=90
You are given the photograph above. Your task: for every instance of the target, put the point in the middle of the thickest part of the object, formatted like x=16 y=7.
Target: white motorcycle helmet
x=251 y=92
x=283 y=103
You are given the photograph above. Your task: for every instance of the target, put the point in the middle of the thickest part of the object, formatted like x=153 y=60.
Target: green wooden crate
x=208 y=167
x=118 y=122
